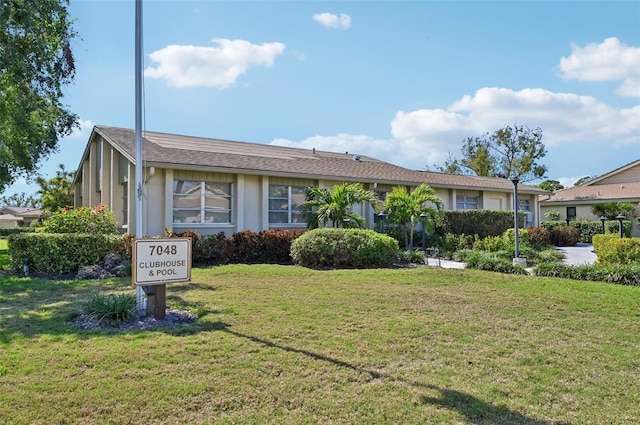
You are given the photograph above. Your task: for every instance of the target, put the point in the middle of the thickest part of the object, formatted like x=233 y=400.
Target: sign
x=157 y=261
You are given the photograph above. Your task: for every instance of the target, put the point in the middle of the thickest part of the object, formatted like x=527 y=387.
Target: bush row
x=58 y=253
x=477 y=222
x=588 y=229
x=623 y=274
x=344 y=248
x=4 y=233
x=611 y=249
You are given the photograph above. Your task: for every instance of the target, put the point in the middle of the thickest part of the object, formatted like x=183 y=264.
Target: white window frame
x=203 y=202
x=464 y=202
x=290 y=210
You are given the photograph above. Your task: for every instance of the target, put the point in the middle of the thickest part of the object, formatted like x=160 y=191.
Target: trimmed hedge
x=588 y=229
x=4 y=233
x=477 y=222
x=611 y=249
x=58 y=253
x=344 y=248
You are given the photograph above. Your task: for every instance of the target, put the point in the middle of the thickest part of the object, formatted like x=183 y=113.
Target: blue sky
x=404 y=82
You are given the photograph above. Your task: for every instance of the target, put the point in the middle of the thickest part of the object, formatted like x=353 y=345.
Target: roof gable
x=628 y=173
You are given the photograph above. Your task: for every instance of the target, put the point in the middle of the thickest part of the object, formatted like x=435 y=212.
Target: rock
x=112 y=266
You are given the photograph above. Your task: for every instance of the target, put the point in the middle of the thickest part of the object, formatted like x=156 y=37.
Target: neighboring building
x=619 y=185
x=11 y=217
x=212 y=186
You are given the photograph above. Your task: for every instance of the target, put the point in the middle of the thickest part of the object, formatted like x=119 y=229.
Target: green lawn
x=4 y=254
x=287 y=345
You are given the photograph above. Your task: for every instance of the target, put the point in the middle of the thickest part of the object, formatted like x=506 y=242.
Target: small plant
x=412 y=257
x=552 y=215
x=113 y=308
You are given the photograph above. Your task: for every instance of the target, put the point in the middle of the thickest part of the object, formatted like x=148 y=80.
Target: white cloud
x=329 y=20
x=425 y=137
x=83 y=133
x=218 y=66
x=610 y=60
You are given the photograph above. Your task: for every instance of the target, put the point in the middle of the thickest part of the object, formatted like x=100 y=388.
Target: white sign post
x=156 y=262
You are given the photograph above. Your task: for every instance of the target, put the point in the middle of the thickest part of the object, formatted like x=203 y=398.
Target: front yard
x=278 y=344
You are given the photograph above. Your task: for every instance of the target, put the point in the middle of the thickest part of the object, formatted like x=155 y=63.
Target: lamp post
x=568 y=220
x=602 y=220
x=423 y=216
x=515 y=180
x=381 y=216
x=620 y=217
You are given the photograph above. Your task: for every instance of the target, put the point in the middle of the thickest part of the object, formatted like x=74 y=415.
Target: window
x=571 y=213
x=524 y=205
x=466 y=202
x=201 y=202
x=125 y=203
x=285 y=203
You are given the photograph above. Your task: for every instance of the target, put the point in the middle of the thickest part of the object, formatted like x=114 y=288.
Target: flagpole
x=140 y=301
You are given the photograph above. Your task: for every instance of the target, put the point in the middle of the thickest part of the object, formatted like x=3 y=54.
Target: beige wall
x=631 y=175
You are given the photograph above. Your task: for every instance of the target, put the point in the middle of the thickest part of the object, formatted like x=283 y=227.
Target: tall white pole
x=138 y=89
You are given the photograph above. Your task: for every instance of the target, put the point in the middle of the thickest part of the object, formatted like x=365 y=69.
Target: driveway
x=582 y=253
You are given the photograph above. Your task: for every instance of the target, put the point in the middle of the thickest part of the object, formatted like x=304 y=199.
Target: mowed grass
x=288 y=345
x=4 y=254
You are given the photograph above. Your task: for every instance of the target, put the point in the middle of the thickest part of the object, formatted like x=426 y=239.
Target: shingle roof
x=603 y=192
x=189 y=152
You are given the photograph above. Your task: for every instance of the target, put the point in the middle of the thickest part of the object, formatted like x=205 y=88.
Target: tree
x=37 y=63
x=404 y=208
x=610 y=210
x=56 y=193
x=324 y=206
x=583 y=180
x=19 y=200
x=551 y=185
x=508 y=152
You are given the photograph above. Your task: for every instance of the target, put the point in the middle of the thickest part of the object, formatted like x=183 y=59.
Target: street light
x=603 y=219
x=381 y=216
x=423 y=216
x=620 y=217
x=515 y=180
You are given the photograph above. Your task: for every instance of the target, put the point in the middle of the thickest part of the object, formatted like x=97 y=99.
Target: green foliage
x=96 y=220
x=57 y=192
x=344 y=248
x=509 y=236
x=19 y=200
x=324 y=206
x=477 y=222
x=623 y=274
x=551 y=185
x=36 y=58
x=611 y=249
x=611 y=210
x=552 y=215
x=587 y=229
x=490 y=244
x=58 y=253
x=508 y=152
x=489 y=261
x=450 y=243
x=4 y=254
x=14 y=231
x=113 y=308
x=564 y=236
x=412 y=256
x=583 y=180
x=406 y=209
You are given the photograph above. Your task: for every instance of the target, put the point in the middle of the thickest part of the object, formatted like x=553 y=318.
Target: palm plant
x=324 y=206
x=404 y=208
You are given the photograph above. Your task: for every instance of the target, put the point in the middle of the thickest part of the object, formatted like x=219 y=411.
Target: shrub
x=124 y=246
x=539 y=236
x=276 y=245
x=490 y=244
x=96 y=220
x=627 y=274
x=477 y=222
x=58 y=253
x=14 y=230
x=113 y=308
x=412 y=257
x=344 y=248
x=489 y=261
x=510 y=236
x=552 y=215
x=611 y=249
x=450 y=243
x=564 y=236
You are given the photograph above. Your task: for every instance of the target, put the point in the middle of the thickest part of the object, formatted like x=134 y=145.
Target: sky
x=401 y=81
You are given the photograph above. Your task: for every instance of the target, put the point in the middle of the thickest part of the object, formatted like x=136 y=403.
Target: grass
x=277 y=344
x=4 y=254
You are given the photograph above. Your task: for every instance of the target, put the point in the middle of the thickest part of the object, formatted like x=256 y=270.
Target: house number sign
x=157 y=261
